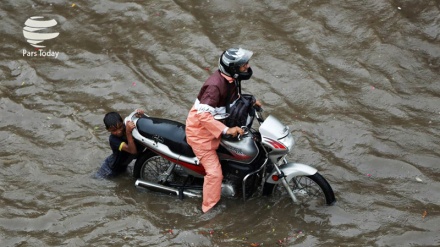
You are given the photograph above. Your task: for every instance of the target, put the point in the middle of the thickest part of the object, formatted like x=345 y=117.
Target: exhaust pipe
x=155 y=186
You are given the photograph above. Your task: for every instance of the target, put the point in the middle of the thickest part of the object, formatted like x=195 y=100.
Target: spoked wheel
x=307 y=189
x=154 y=168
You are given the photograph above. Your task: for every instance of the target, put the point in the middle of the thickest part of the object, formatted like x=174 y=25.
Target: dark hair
x=112 y=119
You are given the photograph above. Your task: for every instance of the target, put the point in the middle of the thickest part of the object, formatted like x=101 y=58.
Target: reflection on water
x=357 y=82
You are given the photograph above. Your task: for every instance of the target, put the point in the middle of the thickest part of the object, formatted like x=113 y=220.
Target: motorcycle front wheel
x=306 y=189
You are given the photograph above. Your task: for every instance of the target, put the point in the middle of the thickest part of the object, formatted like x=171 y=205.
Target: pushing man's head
x=113 y=123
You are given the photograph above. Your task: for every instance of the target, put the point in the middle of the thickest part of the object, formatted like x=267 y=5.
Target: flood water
x=358 y=82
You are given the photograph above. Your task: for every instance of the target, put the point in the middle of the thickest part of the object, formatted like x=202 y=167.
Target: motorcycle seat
x=167 y=132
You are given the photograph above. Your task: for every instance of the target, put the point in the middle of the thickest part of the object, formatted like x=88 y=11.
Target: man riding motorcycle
x=203 y=132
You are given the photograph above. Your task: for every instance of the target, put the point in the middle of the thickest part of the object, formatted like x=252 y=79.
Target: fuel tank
x=242 y=151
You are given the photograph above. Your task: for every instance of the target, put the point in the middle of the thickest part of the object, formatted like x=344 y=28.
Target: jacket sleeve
x=215 y=127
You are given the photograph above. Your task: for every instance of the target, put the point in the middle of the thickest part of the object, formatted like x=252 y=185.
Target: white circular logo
x=35 y=30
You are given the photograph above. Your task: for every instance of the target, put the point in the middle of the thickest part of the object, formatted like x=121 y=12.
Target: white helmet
x=231 y=60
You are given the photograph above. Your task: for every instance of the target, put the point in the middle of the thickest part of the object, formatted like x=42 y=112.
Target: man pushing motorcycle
x=203 y=133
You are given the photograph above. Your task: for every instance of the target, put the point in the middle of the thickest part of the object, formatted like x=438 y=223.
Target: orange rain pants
x=203 y=134
x=212 y=185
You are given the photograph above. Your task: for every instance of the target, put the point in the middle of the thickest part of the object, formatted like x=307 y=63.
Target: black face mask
x=244 y=75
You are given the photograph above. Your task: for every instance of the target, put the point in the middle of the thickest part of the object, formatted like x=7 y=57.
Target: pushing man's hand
x=129 y=126
x=139 y=113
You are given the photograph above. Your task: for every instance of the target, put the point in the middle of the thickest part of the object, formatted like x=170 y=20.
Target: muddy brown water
x=358 y=82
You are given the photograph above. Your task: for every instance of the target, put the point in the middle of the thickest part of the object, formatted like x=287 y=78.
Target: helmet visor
x=243 y=56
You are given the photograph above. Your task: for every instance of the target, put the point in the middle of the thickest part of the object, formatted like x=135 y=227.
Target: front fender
x=291 y=170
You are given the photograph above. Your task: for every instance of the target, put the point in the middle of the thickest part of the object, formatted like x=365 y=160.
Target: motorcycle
x=255 y=161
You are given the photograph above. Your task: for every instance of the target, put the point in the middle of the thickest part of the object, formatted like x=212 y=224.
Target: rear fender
x=291 y=170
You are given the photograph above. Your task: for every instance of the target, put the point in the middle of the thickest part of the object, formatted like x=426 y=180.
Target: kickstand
x=180 y=193
x=181 y=188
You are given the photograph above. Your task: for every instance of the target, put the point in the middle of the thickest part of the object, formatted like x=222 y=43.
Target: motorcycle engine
x=228 y=190
x=230 y=185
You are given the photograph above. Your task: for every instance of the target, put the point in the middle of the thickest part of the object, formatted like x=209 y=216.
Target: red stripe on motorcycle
x=275 y=144
x=196 y=168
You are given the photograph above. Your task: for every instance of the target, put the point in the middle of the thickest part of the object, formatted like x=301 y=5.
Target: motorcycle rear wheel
x=306 y=189
x=154 y=168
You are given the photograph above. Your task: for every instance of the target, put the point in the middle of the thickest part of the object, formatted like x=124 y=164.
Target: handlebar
x=258 y=115
x=258 y=108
